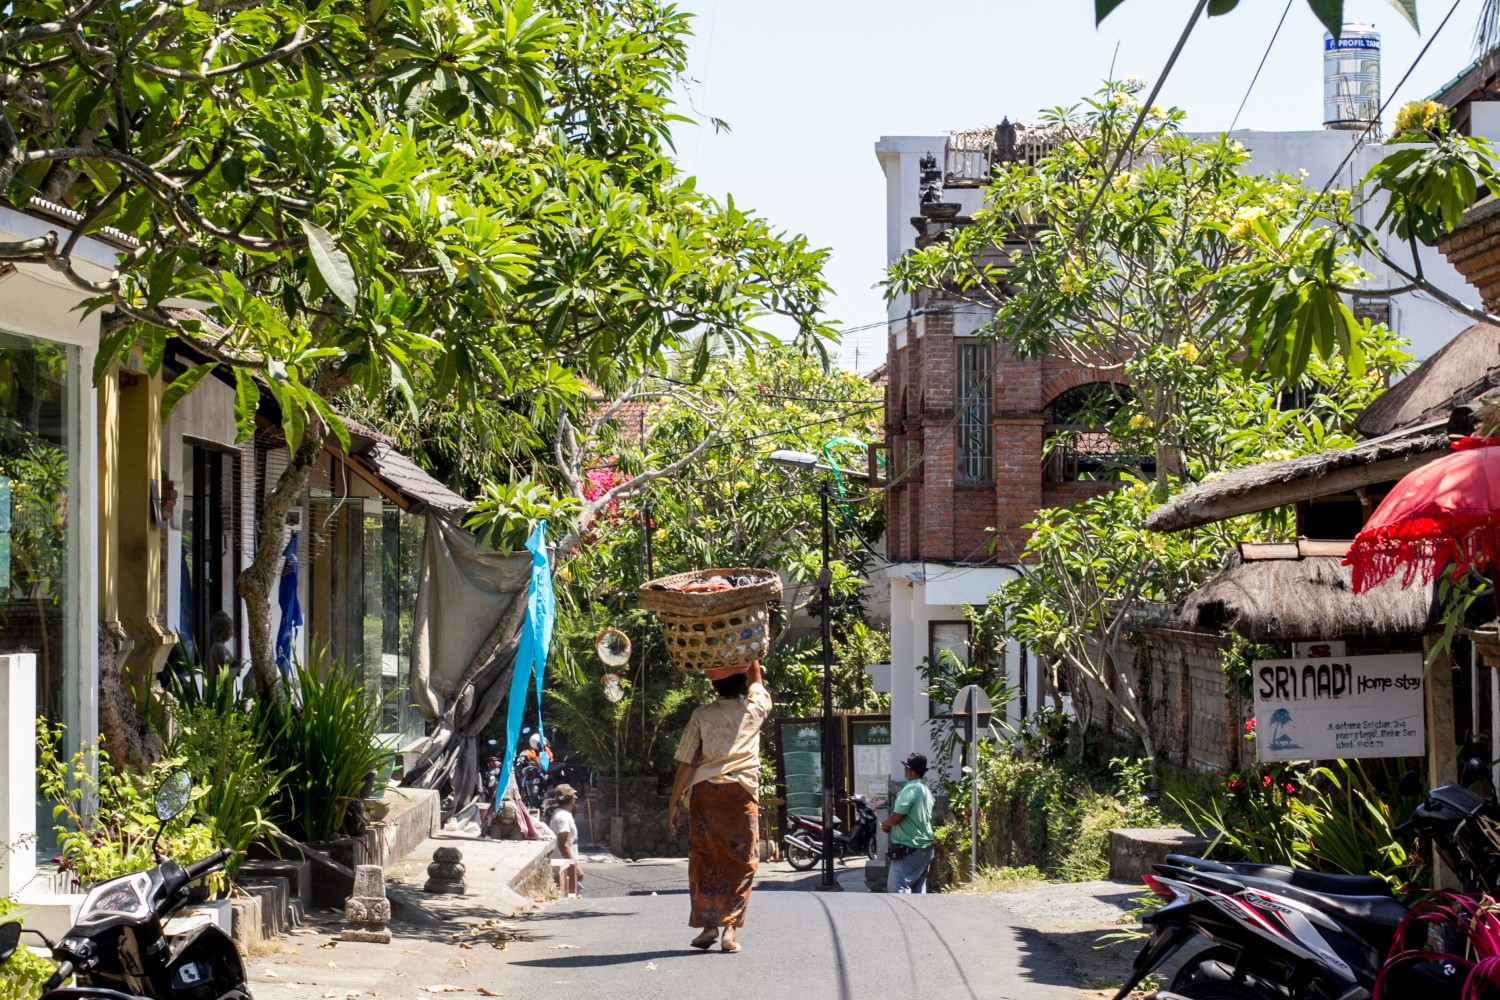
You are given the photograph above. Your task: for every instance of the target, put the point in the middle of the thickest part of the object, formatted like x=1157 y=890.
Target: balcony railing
x=1076 y=454
x=972 y=154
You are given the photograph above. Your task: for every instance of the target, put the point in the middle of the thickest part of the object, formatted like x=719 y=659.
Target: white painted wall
x=923 y=593
x=1427 y=323
x=900 y=158
x=39 y=302
x=17 y=771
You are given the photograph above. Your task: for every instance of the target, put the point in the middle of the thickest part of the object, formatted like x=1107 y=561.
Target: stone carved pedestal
x=446 y=873
x=367 y=911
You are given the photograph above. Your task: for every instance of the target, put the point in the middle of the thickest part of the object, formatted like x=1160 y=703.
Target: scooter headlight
x=121 y=897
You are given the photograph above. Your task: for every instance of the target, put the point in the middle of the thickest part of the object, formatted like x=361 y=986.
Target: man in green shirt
x=910 y=827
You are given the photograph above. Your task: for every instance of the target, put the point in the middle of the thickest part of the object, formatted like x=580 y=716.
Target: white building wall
x=921 y=594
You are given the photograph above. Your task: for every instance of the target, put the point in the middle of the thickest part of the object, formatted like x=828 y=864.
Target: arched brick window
x=1078 y=445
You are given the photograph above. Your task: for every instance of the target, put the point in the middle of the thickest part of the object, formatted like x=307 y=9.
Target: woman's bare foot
x=705 y=940
x=728 y=942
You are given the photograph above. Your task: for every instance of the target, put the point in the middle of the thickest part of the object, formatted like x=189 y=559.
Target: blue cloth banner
x=531 y=653
x=291 y=607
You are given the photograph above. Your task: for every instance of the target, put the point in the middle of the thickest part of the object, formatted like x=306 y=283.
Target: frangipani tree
x=419 y=200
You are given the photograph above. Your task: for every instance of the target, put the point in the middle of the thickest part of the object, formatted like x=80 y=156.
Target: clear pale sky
x=808 y=87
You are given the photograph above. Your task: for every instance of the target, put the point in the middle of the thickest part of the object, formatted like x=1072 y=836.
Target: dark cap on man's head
x=917 y=763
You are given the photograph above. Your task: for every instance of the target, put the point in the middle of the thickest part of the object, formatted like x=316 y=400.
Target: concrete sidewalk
x=1076 y=918
x=505 y=879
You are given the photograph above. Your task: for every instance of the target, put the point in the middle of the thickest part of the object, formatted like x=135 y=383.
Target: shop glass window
x=38 y=551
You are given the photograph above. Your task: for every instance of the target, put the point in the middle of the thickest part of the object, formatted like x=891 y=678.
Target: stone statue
x=932 y=180
x=220 y=656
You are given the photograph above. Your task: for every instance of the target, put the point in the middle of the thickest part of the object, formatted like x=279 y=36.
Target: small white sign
x=1340 y=707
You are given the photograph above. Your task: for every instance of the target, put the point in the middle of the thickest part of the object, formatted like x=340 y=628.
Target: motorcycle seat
x=1336 y=885
x=1377 y=914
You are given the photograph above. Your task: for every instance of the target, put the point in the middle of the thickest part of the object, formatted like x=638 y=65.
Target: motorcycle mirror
x=173 y=795
x=10 y=936
x=1411 y=785
x=1474 y=770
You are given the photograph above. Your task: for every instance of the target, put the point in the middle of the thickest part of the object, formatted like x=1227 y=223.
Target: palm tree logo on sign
x=1280 y=740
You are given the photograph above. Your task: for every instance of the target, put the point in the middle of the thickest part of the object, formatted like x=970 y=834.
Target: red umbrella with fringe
x=1445 y=514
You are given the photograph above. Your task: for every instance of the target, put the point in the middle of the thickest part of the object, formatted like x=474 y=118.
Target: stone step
x=296 y=872
x=277 y=911
x=1133 y=852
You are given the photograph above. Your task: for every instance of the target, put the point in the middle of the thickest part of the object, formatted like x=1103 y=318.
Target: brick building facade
x=966 y=423
x=965 y=426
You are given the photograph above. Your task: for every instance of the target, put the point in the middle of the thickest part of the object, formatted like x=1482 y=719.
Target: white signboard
x=1341 y=707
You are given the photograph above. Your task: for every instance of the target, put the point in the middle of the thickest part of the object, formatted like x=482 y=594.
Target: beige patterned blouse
x=723 y=740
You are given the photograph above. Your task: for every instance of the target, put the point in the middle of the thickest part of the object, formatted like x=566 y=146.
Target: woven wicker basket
x=658 y=595
x=729 y=628
x=709 y=642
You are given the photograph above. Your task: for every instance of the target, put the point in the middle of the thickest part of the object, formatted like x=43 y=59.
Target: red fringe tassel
x=1420 y=550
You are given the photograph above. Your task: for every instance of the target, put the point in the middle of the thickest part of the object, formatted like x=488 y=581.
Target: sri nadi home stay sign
x=1346 y=706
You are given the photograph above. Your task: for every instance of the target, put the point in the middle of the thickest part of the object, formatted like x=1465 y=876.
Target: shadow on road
x=598 y=961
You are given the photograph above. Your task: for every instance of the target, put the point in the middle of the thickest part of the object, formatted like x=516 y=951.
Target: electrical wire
x=1264 y=56
x=1135 y=128
x=1358 y=143
x=727 y=391
x=770 y=434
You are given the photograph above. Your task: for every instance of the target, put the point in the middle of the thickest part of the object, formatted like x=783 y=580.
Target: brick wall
x=1196 y=717
x=930 y=513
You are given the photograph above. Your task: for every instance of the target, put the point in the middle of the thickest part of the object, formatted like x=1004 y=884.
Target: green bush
x=1049 y=814
x=22 y=976
x=1332 y=819
x=219 y=744
x=322 y=737
x=105 y=818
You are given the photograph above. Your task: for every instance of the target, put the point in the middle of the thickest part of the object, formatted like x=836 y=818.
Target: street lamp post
x=803 y=460
x=825 y=581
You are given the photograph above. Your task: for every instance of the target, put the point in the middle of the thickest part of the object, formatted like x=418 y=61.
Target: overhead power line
x=1264 y=56
x=1356 y=144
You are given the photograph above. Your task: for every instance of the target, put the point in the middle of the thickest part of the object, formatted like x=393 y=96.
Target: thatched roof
x=1275 y=484
x=1465 y=368
x=1304 y=599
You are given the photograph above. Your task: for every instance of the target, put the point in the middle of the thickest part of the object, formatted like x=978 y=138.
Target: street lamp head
x=795 y=459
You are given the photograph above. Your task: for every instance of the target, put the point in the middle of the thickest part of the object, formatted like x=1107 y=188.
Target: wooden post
x=1442 y=741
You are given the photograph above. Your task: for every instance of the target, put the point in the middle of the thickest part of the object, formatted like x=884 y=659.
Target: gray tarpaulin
x=464 y=633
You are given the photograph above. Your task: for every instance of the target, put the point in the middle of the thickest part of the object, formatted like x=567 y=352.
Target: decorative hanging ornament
x=613 y=648
x=614 y=688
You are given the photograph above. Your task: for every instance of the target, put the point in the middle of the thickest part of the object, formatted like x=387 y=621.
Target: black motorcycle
x=1276 y=932
x=117 y=949
x=531 y=781
x=804 y=841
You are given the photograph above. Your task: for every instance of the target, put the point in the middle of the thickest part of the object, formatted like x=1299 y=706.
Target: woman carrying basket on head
x=718 y=769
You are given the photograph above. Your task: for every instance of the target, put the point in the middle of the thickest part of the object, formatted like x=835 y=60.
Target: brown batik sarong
x=723 y=824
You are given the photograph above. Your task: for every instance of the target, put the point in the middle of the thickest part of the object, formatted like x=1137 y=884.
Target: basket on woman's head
x=714 y=620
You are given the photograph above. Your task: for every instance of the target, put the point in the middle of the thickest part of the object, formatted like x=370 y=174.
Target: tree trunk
x=259 y=582
x=128 y=739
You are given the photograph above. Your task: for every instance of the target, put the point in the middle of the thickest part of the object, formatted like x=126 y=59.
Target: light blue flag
x=531 y=653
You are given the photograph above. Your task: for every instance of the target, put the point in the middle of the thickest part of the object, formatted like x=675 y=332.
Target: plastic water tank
x=1351 y=77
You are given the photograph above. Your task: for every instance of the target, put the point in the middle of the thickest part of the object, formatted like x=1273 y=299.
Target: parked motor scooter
x=117 y=950
x=1287 y=934
x=804 y=841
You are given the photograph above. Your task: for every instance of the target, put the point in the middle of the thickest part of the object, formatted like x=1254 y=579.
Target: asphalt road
x=627 y=939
